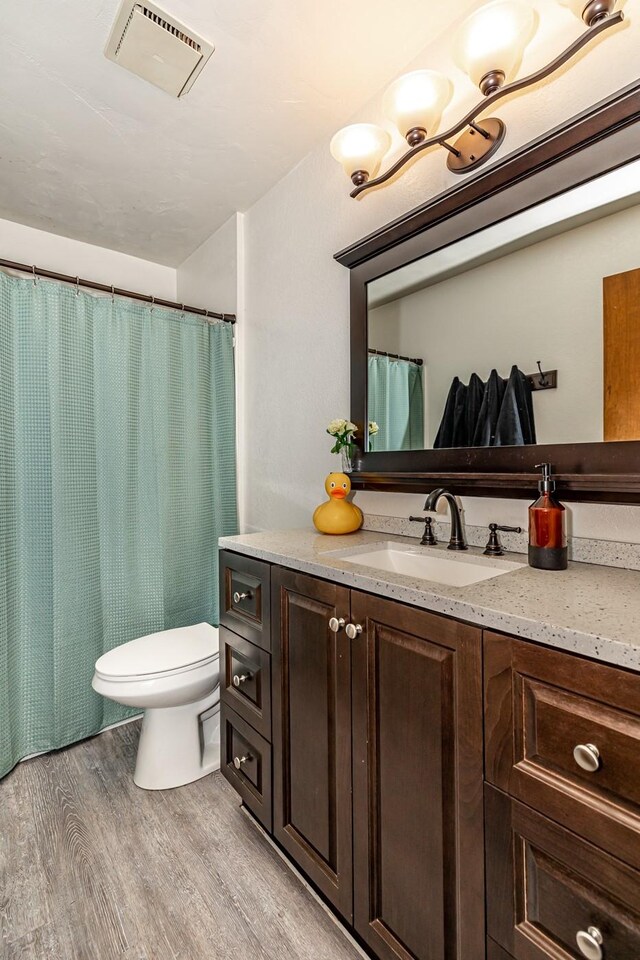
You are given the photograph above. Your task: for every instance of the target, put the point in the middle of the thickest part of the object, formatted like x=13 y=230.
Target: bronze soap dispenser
x=547 y=526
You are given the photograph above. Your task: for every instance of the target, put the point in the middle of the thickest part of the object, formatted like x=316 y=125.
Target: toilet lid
x=163 y=652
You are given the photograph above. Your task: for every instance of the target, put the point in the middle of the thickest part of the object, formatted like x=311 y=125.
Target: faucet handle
x=428 y=537
x=494 y=547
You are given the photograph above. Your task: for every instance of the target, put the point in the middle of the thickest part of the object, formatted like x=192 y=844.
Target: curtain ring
x=153 y=302
x=77 y=286
x=113 y=294
x=35 y=277
x=183 y=311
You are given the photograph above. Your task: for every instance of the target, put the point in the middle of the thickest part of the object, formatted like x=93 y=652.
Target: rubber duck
x=337 y=515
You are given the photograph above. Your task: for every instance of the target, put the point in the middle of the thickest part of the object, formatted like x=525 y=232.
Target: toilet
x=174 y=677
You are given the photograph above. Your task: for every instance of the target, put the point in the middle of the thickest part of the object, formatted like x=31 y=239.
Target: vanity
x=456 y=769
x=448 y=748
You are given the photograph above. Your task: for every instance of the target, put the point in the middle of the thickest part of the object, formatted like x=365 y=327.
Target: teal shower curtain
x=396 y=403
x=117 y=476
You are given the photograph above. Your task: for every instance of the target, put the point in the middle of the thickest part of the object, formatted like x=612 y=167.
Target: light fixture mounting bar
x=586 y=37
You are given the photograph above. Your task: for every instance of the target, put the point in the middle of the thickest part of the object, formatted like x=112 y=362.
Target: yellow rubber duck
x=337 y=515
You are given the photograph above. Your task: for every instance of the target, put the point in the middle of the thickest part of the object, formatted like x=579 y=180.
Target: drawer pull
x=353 y=630
x=238 y=761
x=240 y=678
x=590 y=943
x=587 y=756
x=239 y=597
x=336 y=624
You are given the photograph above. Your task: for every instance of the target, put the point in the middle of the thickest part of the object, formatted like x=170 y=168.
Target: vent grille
x=155 y=46
x=169 y=27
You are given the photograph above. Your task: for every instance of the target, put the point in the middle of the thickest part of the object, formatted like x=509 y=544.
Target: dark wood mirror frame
x=595 y=142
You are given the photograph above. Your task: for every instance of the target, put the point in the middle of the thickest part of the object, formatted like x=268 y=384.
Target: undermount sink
x=452 y=570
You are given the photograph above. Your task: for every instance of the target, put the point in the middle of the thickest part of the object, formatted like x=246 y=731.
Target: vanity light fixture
x=489 y=47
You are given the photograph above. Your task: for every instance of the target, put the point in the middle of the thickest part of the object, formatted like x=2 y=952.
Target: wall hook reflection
x=543 y=379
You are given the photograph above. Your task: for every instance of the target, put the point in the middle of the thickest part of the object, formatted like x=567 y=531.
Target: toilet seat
x=158 y=655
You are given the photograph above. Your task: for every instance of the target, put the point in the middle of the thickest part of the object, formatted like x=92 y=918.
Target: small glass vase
x=347 y=459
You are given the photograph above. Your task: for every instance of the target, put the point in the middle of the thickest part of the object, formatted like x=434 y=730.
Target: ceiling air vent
x=148 y=42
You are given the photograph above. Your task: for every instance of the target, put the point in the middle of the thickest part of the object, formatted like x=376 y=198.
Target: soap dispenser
x=547 y=526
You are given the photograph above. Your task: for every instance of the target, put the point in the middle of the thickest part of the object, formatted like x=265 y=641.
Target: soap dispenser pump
x=547 y=526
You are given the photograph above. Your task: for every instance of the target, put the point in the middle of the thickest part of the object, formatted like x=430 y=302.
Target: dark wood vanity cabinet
x=424 y=775
x=417 y=783
x=562 y=742
x=551 y=889
x=312 y=732
x=245 y=681
x=377 y=749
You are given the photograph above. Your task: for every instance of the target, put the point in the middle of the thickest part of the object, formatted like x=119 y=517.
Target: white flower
x=373 y=428
x=336 y=427
x=339 y=427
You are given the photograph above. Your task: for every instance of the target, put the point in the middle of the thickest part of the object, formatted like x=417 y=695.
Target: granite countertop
x=587 y=609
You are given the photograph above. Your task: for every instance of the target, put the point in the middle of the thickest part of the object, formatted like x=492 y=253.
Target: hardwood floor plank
x=73 y=856
x=39 y=943
x=23 y=884
x=120 y=873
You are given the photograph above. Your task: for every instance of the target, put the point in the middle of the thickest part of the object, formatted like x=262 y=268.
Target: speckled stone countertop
x=587 y=609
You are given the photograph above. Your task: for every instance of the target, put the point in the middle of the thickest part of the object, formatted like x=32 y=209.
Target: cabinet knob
x=238 y=761
x=587 y=756
x=239 y=679
x=239 y=597
x=353 y=630
x=336 y=624
x=590 y=943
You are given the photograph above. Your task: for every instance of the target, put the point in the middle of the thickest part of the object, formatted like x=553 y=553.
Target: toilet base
x=177 y=745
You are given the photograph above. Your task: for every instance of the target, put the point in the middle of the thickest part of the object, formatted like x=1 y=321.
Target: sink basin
x=424 y=563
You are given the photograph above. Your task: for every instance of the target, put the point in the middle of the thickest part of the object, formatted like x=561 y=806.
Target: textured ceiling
x=90 y=151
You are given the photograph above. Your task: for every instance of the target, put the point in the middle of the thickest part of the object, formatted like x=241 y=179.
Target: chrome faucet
x=457 y=540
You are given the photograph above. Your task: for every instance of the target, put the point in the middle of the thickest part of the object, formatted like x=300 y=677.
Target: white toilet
x=174 y=676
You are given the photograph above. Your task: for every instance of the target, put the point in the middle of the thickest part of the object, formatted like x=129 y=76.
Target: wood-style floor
x=93 y=868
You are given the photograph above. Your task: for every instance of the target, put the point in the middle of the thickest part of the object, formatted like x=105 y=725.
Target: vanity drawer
x=540 y=705
x=550 y=887
x=245 y=675
x=245 y=761
x=245 y=592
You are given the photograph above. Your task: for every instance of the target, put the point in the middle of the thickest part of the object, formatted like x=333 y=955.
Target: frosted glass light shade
x=416 y=100
x=360 y=148
x=591 y=11
x=493 y=39
x=576 y=6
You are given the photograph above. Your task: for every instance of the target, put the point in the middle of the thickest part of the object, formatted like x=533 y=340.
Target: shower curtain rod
x=396 y=356
x=115 y=291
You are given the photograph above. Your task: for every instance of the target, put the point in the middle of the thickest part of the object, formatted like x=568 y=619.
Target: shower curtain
x=396 y=403
x=117 y=476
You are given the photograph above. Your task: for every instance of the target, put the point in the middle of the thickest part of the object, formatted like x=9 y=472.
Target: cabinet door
x=417 y=782
x=311 y=699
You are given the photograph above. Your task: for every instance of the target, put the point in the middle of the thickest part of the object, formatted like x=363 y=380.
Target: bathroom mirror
x=499 y=324
x=455 y=338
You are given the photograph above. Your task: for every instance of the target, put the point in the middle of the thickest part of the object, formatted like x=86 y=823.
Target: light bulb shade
x=416 y=100
x=360 y=148
x=493 y=39
x=591 y=11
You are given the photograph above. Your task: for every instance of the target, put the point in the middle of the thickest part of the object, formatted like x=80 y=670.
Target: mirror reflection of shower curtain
x=396 y=403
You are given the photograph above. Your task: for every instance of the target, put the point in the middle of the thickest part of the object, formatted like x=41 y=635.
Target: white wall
x=297 y=303
x=63 y=255
x=209 y=277
x=212 y=278
x=500 y=313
